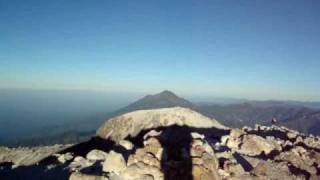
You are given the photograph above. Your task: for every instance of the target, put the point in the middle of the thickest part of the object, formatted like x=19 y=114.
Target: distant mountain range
x=301 y=116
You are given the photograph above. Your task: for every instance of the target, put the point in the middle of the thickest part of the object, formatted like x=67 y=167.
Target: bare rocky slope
x=171 y=143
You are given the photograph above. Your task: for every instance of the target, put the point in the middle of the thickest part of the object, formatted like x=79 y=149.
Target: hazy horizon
x=251 y=49
x=34 y=113
x=131 y=96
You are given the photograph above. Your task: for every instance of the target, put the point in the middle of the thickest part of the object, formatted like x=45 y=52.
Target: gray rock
x=269 y=170
x=253 y=145
x=298 y=160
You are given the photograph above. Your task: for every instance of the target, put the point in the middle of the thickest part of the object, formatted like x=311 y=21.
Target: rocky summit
x=172 y=143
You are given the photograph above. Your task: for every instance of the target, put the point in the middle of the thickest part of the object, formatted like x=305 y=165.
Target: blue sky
x=244 y=49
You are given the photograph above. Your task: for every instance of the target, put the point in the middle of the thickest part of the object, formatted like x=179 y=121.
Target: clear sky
x=246 y=49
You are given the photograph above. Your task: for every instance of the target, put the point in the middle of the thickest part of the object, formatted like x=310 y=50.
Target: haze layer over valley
x=44 y=118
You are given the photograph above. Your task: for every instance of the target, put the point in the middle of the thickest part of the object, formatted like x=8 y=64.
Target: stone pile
x=259 y=153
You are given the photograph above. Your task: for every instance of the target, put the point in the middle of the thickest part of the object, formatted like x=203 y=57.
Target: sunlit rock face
x=177 y=143
x=131 y=124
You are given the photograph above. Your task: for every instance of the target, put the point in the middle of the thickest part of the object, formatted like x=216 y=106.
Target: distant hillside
x=307 y=121
x=303 y=119
x=269 y=103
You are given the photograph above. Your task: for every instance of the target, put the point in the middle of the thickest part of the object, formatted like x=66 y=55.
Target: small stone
x=246 y=128
x=196 y=135
x=78 y=158
x=233 y=143
x=224 y=139
x=126 y=144
x=298 y=139
x=65 y=157
x=152 y=133
x=153 y=146
x=79 y=163
x=236 y=133
x=196 y=142
x=96 y=155
x=291 y=135
x=140 y=171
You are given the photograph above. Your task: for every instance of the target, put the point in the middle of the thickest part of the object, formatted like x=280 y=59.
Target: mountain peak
x=164 y=99
x=167 y=92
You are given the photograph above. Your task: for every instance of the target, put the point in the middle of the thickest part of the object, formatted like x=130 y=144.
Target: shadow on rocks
x=176 y=160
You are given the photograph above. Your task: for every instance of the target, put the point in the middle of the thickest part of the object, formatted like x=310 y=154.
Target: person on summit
x=274 y=121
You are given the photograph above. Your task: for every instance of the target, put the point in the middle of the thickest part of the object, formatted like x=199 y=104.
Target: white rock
x=196 y=135
x=152 y=133
x=224 y=139
x=131 y=124
x=126 y=144
x=79 y=163
x=65 y=157
x=291 y=135
x=96 y=155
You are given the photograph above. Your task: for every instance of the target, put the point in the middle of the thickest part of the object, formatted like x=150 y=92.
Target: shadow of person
x=176 y=161
x=176 y=141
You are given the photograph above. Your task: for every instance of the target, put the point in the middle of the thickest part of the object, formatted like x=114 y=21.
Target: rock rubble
x=179 y=149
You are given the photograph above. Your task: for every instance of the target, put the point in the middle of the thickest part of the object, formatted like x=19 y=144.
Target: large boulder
x=255 y=145
x=269 y=170
x=131 y=124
